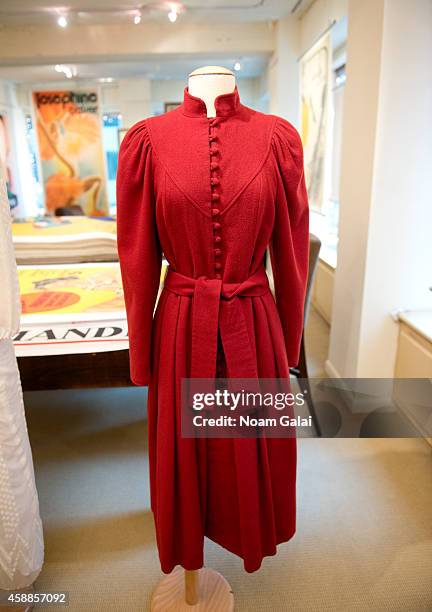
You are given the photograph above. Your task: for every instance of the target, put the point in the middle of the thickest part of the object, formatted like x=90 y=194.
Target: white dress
x=21 y=537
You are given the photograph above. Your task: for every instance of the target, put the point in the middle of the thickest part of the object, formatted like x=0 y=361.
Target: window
x=32 y=146
x=110 y=137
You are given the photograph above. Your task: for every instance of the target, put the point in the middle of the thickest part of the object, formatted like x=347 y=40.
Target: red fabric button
x=214 y=165
x=214 y=181
x=217 y=266
x=217 y=239
x=214 y=151
x=212 y=138
x=216 y=225
x=215 y=212
x=217 y=252
x=215 y=197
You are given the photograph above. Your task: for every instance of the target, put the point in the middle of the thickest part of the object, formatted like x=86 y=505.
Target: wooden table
x=78 y=371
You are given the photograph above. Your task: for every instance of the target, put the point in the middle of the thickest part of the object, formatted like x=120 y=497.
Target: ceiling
x=29 y=12
x=147 y=67
x=44 y=13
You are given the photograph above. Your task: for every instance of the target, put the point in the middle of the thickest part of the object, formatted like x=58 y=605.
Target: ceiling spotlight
x=62 y=21
x=68 y=71
x=172 y=15
x=237 y=66
x=137 y=19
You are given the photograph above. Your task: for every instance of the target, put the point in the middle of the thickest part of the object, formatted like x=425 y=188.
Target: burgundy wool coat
x=212 y=195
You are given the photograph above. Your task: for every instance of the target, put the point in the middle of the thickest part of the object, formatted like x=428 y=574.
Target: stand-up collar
x=225 y=104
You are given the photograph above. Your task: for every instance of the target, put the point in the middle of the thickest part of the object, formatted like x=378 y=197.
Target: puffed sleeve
x=138 y=245
x=289 y=246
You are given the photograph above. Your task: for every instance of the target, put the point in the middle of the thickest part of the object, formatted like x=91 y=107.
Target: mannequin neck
x=208 y=87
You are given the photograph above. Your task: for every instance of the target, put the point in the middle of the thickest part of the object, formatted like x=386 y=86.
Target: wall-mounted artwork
x=315 y=83
x=69 y=132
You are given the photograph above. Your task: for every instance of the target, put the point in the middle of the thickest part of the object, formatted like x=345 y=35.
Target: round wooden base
x=214 y=593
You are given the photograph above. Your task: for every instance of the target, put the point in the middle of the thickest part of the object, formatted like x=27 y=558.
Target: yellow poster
x=72 y=292
x=69 y=133
x=78 y=291
x=315 y=85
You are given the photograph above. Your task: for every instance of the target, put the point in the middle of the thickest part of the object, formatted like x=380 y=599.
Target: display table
x=79 y=371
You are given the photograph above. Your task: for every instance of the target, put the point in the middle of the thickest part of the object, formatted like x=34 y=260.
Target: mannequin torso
x=209 y=82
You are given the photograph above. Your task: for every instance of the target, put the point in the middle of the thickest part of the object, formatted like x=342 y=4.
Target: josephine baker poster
x=70 y=146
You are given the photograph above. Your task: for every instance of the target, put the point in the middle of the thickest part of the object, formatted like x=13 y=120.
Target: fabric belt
x=217 y=307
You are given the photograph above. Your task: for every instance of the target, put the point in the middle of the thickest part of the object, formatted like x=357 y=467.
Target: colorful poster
x=69 y=133
x=74 y=292
x=315 y=81
x=72 y=308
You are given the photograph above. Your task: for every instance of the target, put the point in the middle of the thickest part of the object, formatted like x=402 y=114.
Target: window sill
x=418 y=320
x=328 y=254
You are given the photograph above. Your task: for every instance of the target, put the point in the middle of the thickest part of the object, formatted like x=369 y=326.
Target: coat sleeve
x=138 y=246
x=289 y=246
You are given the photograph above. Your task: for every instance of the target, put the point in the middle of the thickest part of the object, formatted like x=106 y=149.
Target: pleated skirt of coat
x=240 y=493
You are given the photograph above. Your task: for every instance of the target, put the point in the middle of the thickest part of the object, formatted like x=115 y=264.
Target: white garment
x=21 y=537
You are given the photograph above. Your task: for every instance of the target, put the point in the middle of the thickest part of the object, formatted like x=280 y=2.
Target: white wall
x=385 y=247
x=284 y=75
x=400 y=236
x=134 y=100
x=317 y=18
x=172 y=91
x=75 y=44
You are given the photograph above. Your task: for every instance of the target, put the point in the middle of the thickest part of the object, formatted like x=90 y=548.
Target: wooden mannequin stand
x=203 y=590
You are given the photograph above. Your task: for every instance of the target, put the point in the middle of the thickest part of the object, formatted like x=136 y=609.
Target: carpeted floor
x=364 y=537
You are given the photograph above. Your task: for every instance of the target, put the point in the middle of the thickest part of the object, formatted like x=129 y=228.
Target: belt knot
x=216 y=308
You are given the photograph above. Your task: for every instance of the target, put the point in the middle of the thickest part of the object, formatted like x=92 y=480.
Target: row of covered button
x=215 y=197
x=215 y=182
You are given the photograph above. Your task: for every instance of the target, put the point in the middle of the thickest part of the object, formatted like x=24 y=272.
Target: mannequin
x=209 y=82
x=203 y=589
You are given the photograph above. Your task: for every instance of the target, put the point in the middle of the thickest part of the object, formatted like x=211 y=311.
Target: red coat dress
x=212 y=195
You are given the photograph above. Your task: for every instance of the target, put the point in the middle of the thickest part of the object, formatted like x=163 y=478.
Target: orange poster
x=69 y=133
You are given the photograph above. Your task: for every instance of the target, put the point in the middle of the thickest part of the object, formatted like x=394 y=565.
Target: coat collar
x=225 y=104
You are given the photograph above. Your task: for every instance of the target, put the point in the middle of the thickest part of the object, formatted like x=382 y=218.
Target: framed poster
x=69 y=134
x=315 y=84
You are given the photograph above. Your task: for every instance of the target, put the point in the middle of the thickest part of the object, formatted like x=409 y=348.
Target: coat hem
x=248 y=567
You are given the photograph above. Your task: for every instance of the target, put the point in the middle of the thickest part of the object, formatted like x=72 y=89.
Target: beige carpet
x=364 y=539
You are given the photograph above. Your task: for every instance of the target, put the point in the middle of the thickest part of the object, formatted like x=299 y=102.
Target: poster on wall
x=5 y=153
x=69 y=133
x=315 y=83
